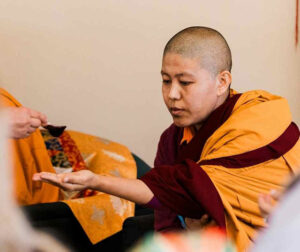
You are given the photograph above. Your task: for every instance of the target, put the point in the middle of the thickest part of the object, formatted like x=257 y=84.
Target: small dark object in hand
x=55 y=131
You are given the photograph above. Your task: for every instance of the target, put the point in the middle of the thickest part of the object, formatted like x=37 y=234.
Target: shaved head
x=202 y=43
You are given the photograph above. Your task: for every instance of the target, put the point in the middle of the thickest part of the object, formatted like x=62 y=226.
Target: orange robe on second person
x=29 y=156
x=101 y=215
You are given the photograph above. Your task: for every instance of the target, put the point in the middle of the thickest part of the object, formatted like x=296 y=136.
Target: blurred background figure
x=15 y=233
x=282 y=233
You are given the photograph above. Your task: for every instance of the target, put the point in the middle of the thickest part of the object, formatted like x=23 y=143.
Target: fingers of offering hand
x=37 y=118
x=44 y=119
x=37 y=115
x=35 y=123
x=24 y=121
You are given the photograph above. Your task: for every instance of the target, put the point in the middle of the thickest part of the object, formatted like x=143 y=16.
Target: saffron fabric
x=100 y=215
x=29 y=156
x=196 y=177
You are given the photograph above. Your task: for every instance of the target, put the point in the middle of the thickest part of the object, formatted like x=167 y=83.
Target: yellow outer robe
x=29 y=156
x=257 y=119
x=189 y=186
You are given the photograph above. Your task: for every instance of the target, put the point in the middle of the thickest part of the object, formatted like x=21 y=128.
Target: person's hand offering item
x=75 y=181
x=24 y=121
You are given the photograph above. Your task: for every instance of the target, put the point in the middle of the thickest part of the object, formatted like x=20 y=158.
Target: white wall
x=94 y=65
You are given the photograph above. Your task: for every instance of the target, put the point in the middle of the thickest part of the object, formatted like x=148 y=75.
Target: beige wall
x=94 y=65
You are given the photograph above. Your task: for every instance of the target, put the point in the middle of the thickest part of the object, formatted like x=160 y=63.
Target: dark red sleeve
x=168 y=146
x=186 y=190
x=177 y=181
x=166 y=219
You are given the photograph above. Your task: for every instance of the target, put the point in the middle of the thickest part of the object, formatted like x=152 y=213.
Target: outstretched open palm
x=75 y=181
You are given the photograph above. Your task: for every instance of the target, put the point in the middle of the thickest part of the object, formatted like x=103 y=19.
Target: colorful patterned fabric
x=29 y=156
x=63 y=151
x=72 y=152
